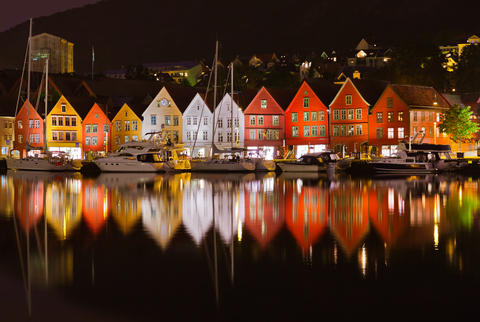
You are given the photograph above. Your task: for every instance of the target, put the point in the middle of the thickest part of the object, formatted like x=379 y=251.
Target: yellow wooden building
x=6 y=135
x=64 y=129
x=126 y=127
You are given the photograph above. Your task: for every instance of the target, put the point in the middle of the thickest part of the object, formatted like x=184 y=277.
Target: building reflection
x=7 y=195
x=28 y=202
x=95 y=205
x=197 y=208
x=126 y=209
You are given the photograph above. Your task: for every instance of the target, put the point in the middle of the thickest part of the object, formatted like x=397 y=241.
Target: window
x=168 y=120
x=263 y=103
x=343 y=130
x=64 y=108
x=31 y=124
x=430 y=131
x=74 y=121
x=229 y=122
x=95 y=128
x=60 y=136
x=314 y=130
x=189 y=136
x=126 y=114
x=229 y=137
x=335 y=130
x=94 y=141
x=60 y=121
x=54 y=136
x=127 y=139
x=205 y=135
x=275 y=120
x=175 y=136
x=117 y=140
x=391 y=133
x=260 y=119
x=20 y=138
x=343 y=114
x=438 y=117
x=401 y=133
x=54 y=121
x=314 y=116
x=117 y=126
x=414 y=116
x=127 y=125
x=220 y=123
x=104 y=141
x=175 y=120
x=252 y=135
x=37 y=138
x=359 y=129
x=335 y=114
x=351 y=114
x=379 y=117
x=306 y=102
x=31 y=138
x=19 y=124
x=389 y=116
x=422 y=115
x=220 y=137
x=321 y=116
x=430 y=116
x=236 y=137
x=390 y=102
x=74 y=136
x=400 y=116
x=351 y=130
x=295 y=131
x=321 y=130
x=306 y=131
x=153 y=119
x=261 y=134
x=88 y=128
x=135 y=138
x=379 y=133
x=67 y=121
x=359 y=113
x=134 y=126
x=294 y=117
x=306 y=116
x=37 y=124
x=237 y=122
x=67 y=136
x=189 y=121
x=205 y=121
x=195 y=121
x=348 y=99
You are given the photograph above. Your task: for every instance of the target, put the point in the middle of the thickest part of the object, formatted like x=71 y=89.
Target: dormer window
x=64 y=108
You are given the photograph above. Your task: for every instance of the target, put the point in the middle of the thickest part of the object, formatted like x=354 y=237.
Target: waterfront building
x=306 y=118
x=96 y=131
x=126 y=127
x=265 y=123
x=403 y=111
x=28 y=129
x=6 y=135
x=230 y=123
x=164 y=113
x=64 y=129
x=197 y=127
x=349 y=115
x=58 y=51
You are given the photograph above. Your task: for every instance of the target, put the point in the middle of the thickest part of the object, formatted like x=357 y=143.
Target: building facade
x=197 y=128
x=96 y=131
x=29 y=130
x=126 y=127
x=230 y=124
x=64 y=129
x=6 y=135
x=58 y=51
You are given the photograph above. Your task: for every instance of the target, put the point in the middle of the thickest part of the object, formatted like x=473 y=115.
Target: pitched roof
x=420 y=96
x=454 y=99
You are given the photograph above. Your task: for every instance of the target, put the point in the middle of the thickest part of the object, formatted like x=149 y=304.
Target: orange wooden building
x=29 y=128
x=96 y=129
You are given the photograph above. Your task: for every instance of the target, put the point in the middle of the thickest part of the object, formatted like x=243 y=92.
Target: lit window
x=391 y=133
x=401 y=133
x=400 y=116
x=127 y=138
x=389 y=116
x=127 y=125
x=350 y=114
x=321 y=116
x=167 y=120
x=294 y=117
x=294 y=131
x=351 y=130
x=359 y=113
x=263 y=103
x=379 y=117
x=19 y=124
x=276 y=120
x=306 y=116
x=306 y=131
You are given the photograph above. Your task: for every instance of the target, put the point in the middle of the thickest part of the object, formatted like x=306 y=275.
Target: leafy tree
x=468 y=72
x=458 y=125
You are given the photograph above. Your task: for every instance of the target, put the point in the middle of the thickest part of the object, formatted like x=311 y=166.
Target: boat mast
x=46 y=109
x=28 y=82
x=214 y=93
x=231 y=94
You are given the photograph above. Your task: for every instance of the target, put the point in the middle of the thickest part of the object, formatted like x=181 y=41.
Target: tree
x=457 y=123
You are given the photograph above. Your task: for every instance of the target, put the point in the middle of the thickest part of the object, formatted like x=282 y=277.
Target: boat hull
x=396 y=169
x=119 y=165
x=294 y=167
x=39 y=165
x=222 y=166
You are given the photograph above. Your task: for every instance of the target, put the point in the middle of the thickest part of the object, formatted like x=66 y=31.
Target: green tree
x=457 y=123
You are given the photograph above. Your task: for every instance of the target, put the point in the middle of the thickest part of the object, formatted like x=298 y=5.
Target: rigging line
x=40 y=88
x=20 y=257
x=21 y=78
x=222 y=102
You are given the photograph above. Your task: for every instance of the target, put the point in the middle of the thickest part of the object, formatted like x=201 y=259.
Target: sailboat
x=233 y=163
x=47 y=161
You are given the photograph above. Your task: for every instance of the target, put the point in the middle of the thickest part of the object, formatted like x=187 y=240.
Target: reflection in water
x=344 y=221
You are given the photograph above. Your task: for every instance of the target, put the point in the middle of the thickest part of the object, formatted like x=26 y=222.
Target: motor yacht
x=312 y=162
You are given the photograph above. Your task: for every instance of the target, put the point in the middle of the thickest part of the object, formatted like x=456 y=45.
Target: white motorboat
x=44 y=162
x=223 y=165
x=312 y=162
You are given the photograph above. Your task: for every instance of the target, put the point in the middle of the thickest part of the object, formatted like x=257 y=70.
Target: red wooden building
x=349 y=114
x=96 y=129
x=403 y=111
x=28 y=129
x=306 y=118
x=265 y=122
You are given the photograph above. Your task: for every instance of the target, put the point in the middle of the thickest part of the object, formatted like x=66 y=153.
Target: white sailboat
x=233 y=163
x=48 y=161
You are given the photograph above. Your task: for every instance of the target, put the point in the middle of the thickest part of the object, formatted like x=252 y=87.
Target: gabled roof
x=416 y=96
x=453 y=99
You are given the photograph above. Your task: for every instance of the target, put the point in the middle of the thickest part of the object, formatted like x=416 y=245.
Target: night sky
x=17 y=11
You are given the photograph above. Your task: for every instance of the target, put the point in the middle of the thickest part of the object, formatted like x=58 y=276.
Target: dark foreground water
x=251 y=247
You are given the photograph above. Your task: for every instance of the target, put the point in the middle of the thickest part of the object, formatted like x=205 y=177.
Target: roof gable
x=198 y=101
x=416 y=96
x=125 y=109
x=348 y=82
x=255 y=105
x=96 y=109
